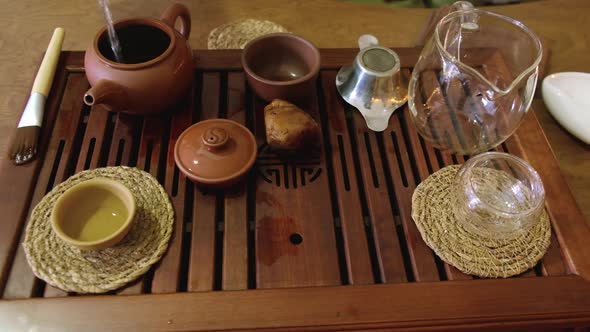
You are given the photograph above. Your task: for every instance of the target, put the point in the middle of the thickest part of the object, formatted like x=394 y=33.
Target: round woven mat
x=236 y=34
x=75 y=270
x=469 y=252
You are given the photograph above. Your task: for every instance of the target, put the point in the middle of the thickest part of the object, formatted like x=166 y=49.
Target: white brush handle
x=33 y=113
x=46 y=72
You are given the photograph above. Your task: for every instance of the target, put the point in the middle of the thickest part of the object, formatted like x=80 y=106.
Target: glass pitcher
x=474 y=81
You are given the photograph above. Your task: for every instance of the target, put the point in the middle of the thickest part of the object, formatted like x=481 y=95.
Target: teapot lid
x=215 y=152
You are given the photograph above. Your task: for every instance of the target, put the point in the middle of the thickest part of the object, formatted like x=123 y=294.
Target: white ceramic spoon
x=567 y=96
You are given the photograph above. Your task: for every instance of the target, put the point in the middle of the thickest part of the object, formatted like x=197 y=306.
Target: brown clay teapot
x=156 y=68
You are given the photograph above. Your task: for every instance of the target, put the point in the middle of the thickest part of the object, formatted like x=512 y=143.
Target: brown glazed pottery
x=215 y=153
x=281 y=66
x=156 y=68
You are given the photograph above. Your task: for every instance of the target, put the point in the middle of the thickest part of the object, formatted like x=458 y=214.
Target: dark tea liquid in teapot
x=139 y=43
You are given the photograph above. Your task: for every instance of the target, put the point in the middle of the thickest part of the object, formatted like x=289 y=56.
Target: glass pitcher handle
x=462 y=6
x=470 y=17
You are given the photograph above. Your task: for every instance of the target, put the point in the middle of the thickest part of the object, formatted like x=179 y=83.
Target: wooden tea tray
x=323 y=243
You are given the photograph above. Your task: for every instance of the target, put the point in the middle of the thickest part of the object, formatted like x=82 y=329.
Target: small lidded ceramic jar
x=215 y=153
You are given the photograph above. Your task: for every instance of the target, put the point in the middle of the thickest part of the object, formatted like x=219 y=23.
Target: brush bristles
x=24 y=146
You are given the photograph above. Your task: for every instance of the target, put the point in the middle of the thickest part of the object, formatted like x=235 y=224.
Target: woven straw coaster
x=472 y=253
x=74 y=270
x=236 y=34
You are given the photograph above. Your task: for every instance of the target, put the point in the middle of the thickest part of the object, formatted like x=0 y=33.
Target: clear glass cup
x=497 y=195
x=474 y=81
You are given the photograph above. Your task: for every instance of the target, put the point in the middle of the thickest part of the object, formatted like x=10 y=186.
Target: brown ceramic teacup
x=281 y=65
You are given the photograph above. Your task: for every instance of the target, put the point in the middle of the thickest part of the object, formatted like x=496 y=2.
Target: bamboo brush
x=24 y=146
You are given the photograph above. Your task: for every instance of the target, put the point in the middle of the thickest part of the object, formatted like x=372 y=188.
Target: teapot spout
x=107 y=93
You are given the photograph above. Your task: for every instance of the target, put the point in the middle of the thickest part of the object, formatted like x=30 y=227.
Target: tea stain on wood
x=316 y=263
x=273 y=233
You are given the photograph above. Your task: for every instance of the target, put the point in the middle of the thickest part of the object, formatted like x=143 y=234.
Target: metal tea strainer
x=372 y=83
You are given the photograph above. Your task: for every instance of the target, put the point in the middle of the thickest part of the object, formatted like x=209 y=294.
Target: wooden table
x=490 y=302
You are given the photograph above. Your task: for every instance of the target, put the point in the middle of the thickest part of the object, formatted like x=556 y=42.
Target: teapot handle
x=175 y=11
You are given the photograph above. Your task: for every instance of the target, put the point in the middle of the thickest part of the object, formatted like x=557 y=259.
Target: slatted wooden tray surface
x=336 y=219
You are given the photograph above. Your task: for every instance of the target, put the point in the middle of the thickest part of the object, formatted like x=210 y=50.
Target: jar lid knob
x=215 y=137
